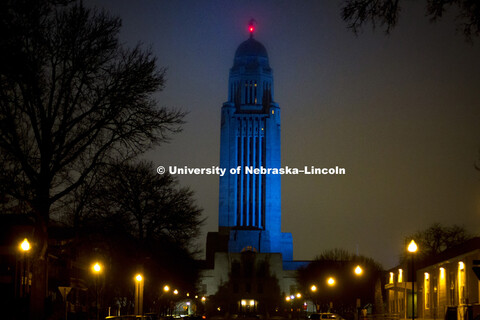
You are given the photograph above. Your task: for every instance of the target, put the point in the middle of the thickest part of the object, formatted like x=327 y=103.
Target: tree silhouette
x=340 y=265
x=71 y=99
x=436 y=239
x=150 y=207
x=385 y=13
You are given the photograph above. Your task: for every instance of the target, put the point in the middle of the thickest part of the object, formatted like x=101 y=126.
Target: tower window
x=273 y=111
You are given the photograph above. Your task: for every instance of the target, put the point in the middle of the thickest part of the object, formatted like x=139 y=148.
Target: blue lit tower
x=250 y=204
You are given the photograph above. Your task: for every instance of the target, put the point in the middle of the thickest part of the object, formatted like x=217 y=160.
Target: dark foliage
x=149 y=207
x=340 y=265
x=71 y=99
x=436 y=239
x=135 y=220
x=385 y=13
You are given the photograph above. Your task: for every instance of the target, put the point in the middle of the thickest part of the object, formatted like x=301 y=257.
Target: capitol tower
x=249 y=218
x=250 y=204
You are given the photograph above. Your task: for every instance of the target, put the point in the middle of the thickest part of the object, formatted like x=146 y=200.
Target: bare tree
x=132 y=217
x=71 y=99
x=340 y=265
x=437 y=238
x=151 y=206
x=385 y=13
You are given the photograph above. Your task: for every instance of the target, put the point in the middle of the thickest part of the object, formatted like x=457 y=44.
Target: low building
x=399 y=293
x=446 y=286
x=248 y=282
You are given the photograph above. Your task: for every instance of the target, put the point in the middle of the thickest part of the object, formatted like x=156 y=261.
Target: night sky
x=400 y=112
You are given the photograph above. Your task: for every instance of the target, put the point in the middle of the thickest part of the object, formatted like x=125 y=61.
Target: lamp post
x=165 y=301
x=331 y=283
x=139 y=281
x=358 y=271
x=313 y=288
x=25 y=247
x=412 y=248
x=96 y=269
x=289 y=300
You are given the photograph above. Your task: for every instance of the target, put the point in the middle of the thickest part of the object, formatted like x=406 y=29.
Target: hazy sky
x=401 y=113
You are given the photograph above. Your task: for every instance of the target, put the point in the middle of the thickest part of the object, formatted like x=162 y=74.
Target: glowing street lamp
x=25 y=247
x=358 y=271
x=331 y=281
x=139 y=294
x=412 y=248
x=313 y=288
x=166 y=288
x=96 y=269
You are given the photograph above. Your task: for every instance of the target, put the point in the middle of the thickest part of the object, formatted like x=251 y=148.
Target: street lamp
x=313 y=288
x=25 y=247
x=331 y=281
x=166 y=301
x=358 y=271
x=96 y=268
x=412 y=248
x=139 y=294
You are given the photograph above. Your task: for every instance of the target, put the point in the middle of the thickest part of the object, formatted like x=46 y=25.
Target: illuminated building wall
x=250 y=204
x=444 y=284
x=249 y=226
x=398 y=293
x=448 y=283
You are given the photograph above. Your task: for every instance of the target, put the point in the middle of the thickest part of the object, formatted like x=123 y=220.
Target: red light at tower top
x=251 y=27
